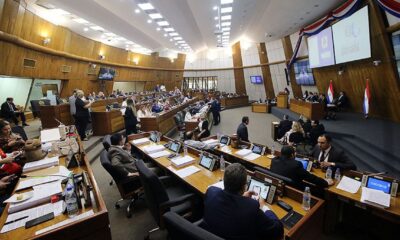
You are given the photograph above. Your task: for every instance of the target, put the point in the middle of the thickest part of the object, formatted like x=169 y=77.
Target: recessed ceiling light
x=216 y=18
x=174 y=34
x=86 y=29
x=163 y=23
x=80 y=20
x=169 y=29
x=110 y=34
x=129 y=42
x=145 y=6
x=225 y=37
x=226 y=17
x=226 y=29
x=225 y=24
x=216 y=25
x=59 y=12
x=165 y=35
x=181 y=41
x=171 y=39
x=226 y=10
x=97 y=28
x=120 y=38
x=149 y=21
x=178 y=38
x=155 y=15
x=215 y=7
x=225 y=33
x=226 y=1
x=137 y=10
x=158 y=29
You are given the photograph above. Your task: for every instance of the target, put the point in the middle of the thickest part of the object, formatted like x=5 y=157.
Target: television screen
x=303 y=73
x=351 y=37
x=106 y=73
x=320 y=49
x=256 y=79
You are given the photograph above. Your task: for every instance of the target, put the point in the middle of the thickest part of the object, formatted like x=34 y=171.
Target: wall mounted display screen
x=351 y=37
x=320 y=49
x=256 y=79
x=106 y=73
x=303 y=73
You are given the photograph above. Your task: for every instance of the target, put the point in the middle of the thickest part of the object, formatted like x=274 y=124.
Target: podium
x=282 y=101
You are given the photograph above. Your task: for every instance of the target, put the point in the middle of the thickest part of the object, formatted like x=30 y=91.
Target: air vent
x=29 y=63
x=66 y=68
x=92 y=71
x=45 y=4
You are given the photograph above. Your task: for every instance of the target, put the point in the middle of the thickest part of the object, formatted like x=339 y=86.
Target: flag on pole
x=367 y=98
x=330 y=93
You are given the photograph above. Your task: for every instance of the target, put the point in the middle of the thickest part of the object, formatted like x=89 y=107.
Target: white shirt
x=326 y=154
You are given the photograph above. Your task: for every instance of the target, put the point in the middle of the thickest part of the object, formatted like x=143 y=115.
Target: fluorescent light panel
x=226 y=1
x=174 y=34
x=163 y=23
x=225 y=24
x=155 y=16
x=225 y=29
x=145 y=6
x=80 y=20
x=226 y=10
x=226 y=17
x=178 y=38
x=169 y=29
x=97 y=28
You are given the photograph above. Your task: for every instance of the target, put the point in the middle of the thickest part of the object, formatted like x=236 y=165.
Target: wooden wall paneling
x=9 y=16
x=266 y=71
x=287 y=48
x=240 y=85
x=1 y=9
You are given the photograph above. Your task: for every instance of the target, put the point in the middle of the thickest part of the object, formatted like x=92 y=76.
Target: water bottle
x=273 y=150
x=61 y=129
x=71 y=201
x=185 y=150
x=222 y=163
x=219 y=136
x=306 y=199
x=328 y=174
x=337 y=174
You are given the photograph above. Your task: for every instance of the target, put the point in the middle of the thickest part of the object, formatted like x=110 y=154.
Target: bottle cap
x=54 y=198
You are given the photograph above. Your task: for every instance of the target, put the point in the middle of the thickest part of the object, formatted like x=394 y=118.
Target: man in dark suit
x=242 y=129
x=232 y=213
x=329 y=156
x=284 y=126
x=342 y=100
x=10 y=111
x=287 y=166
x=316 y=130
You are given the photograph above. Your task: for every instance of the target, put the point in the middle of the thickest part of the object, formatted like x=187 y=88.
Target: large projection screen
x=351 y=37
x=320 y=49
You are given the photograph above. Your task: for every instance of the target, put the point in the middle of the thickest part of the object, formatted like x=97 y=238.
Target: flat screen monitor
x=320 y=49
x=303 y=72
x=304 y=162
x=206 y=161
x=174 y=146
x=106 y=73
x=379 y=184
x=259 y=187
x=256 y=79
x=351 y=37
x=224 y=140
x=257 y=149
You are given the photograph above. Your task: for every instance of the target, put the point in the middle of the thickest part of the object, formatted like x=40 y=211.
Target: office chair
x=19 y=130
x=160 y=199
x=107 y=142
x=129 y=188
x=298 y=140
x=286 y=180
x=180 y=124
x=181 y=229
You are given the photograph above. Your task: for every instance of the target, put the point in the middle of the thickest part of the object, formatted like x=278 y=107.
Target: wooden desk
x=282 y=101
x=261 y=108
x=309 y=227
x=96 y=226
x=107 y=122
x=49 y=113
x=230 y=102
x=314 y=111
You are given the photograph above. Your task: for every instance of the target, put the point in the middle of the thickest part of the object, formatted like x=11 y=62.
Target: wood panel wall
x=26 y=27
x=266 y=72
x=240 y=85
x=288 y=50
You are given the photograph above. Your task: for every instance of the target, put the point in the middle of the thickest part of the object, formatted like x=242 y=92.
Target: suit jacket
x=242 y=132
x=337 y=156
x=122 y=161
x=283 y=127
x=232 y=216
x=294 y=170
x=6 y=111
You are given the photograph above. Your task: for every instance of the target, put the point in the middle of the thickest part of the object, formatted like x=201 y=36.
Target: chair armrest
x=176 y=201
x=166 y=180
x=129 y=186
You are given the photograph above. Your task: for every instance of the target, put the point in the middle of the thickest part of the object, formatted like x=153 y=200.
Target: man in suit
x=287 y=166
x=329 y=156
x=242 y=129
x=284 y=126
x=10 y=111
x=215 y=109
x=231 y=213
x=316 y=130
x=342 y=100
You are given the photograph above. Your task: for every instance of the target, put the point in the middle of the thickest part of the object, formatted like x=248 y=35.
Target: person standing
x=82 y=114
x=72 y=107
x=241 y=131
x=130 y=117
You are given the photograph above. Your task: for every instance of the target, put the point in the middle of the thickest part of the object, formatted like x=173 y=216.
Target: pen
x=16 y=220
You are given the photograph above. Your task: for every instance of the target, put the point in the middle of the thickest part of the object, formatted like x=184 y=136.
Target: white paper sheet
x=184 y=172
x=252 y=156
x=36 y=181
x=163 y=153
x=140 y=141
x=349 y=185
x=50 y=135
x=153 y=148
x=375 y=197
x=44 y=163
x=243 y=152
x=210 y=141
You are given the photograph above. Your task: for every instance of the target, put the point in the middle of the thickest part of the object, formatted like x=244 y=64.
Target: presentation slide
x=320 y=49
x=351 y=37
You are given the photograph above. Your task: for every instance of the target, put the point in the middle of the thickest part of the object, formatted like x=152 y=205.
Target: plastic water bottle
x=306 y=199
x=185 y=150
x=61 y=129
x=337 y=174
x=219 y=136
x=328 y=174
x=71 y=201
x=273 y=150
x=222 y=163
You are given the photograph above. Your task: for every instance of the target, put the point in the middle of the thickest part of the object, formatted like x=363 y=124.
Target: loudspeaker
x=393 y=190
x=364 y=180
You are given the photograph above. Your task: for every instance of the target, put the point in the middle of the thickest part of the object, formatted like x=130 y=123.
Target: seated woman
x=7 y=163
x=297 y=132
x=201 y=131
x=9 y=141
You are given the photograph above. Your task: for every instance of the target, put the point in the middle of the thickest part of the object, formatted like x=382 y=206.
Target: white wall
x=17 y=88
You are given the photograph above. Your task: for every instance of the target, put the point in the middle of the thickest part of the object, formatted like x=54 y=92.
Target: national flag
x=367 y=98
x=330 y=93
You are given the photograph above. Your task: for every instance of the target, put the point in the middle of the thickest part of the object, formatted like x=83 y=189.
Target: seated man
x=241 y=131
x=329 y=156
x=232 y=213
x=287 y=166
x=10 y=111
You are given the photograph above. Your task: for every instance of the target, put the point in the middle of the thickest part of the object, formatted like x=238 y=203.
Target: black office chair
x=180 y=125
x=286 y=180
x=181 y=229
x=129 y=188
x=298 y=140
x=19 y=130
x=107 y=142
x=160 y=199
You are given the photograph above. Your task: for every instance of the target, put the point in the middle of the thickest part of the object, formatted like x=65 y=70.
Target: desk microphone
x=59 y=122
x=376 y=174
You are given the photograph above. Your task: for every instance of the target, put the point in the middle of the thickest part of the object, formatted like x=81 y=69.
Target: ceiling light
x=149 y=21
x=169 y=29
x=225 y=33
x=80 y=20
x=216 y=18
x=103 y=36
x=165 y=35
x=158 y=29
x=226 y=1
x=226 y=17
x=129 y=42
x=215 y=7
x=145 y=6
x=97 y=28
x=110 y=34
x=216 y=25
x=137 y=10
x=226 y=10
x=174 y=34
x=171 y=39
x=155 y=15
x=181 y=41
x=178 y=38
x=59 y=12
x=163 y=23
x=224 y=24
x=226 y=29
x=120 y=38
x=86 y=29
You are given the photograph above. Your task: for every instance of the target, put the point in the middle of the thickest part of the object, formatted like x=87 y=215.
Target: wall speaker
x=29 y=63
x=66 y=68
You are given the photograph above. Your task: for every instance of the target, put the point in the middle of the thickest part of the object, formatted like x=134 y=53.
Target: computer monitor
x=258 y=149
x=307 y=164
x=175 y=147
x=225 y=140
x=379 y=184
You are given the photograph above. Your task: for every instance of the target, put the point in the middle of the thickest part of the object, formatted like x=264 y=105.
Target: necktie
x=322 y=158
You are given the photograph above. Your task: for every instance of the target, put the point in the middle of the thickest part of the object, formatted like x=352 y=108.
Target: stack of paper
x=182 y=161
x=252 y=156
x=349 y=185
x=375 y=197
x=211 y=141
x=163 y=153
x=184 y=172
x=243 y=152
x=44 y=163
x=140 y=141
x=153 y=148
x=50 y=135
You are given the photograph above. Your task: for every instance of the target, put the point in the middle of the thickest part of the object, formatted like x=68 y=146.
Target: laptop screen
x=379 y=184
x=304 y=162
x=174 y=147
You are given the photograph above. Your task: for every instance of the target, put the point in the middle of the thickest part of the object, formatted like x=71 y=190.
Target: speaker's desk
x=314 y=111
x=261 y=108
x=107 y=122
x=238 y=101
x=48 y=114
